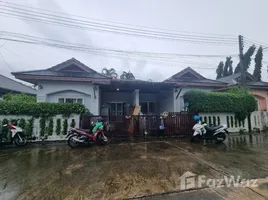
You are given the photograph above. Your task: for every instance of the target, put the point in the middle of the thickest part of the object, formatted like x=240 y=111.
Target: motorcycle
x=203 y=132
x=17 y=136
x=96 y=134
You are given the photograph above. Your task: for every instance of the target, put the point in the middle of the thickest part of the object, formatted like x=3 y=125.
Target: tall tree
x=127 y=76
x=258 y=64
x=219 y=70
x=246 y=59
x=231 y=68
x=228 y=67
x=110 y=72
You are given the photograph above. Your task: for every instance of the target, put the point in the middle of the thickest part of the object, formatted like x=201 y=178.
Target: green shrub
x=50 y=126
x=72 y=123
x=22 y=123
x=41 y=109
x=58 y=126
x=42 y=126
x=19 y=98
x=29 y=127
x=65 y=127
x=241 y=103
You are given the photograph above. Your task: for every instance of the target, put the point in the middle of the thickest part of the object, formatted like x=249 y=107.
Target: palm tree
x=110 y=72
x=127 y=76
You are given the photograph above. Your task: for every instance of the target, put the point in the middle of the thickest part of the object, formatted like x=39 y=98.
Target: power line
x=37 y=40
x=157 y=61
x=251 y=42
x=144 y=35
x=74 y=23
x=6 y=62
x=83 y=22
x=111 y=22
x=153 y=60
x=17 y=55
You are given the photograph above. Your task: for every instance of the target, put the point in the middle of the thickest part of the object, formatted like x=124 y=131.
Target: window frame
x=66 y=97
x=148 y=107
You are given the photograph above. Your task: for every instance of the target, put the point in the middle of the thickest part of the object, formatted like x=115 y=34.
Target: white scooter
x=17 y=136
x=203 y=132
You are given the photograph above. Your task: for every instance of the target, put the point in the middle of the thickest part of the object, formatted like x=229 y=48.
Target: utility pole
x=241 y=55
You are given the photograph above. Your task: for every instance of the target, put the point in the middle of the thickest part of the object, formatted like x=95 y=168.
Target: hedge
x=241 y=104
x=41 y=109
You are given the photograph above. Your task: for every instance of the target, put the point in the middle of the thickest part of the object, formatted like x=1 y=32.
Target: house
x=187 y=80
x=8 y=85
x=72 y=81
x=258 y=88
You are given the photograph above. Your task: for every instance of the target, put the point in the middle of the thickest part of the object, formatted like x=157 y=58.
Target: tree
x=228 y=68
x=219 y=70
x=110 y=72
x=246 y=59
x=127 y=76
x=231 y=69
x=258 y=64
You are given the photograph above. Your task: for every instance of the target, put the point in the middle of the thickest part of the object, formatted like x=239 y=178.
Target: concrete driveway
x=145 y=170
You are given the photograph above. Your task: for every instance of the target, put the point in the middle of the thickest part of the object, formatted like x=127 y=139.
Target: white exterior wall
x=179 y=102
x=52 y=90
x=36 y=128
x=233 y=127
x=259 y=119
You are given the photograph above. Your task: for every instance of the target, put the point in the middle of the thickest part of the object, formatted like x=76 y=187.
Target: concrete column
x=136 y=97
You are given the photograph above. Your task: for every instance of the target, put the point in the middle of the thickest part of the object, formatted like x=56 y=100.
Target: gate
x=176 y=124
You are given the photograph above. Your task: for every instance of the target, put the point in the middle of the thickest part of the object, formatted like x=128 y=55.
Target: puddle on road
x=72 y=168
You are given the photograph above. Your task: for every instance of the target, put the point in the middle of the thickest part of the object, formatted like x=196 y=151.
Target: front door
x=117 y=109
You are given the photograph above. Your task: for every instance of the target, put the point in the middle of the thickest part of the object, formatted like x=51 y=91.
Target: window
x=80 y=101
x=116 y=109
x=61 y=100
x=70 y=100
x=148 y=107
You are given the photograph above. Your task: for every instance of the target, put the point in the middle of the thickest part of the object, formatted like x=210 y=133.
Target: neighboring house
x=72 y=81
x=187 y=80
x=8 y=85
x=258 y=88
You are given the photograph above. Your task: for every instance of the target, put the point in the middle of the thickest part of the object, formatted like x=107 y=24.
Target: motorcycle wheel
x=196 y=138
x=71 y=142
x=102 y=139
x=20 y=141
x=220 y=137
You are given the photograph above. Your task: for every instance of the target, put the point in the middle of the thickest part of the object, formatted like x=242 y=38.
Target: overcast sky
x=226 y=17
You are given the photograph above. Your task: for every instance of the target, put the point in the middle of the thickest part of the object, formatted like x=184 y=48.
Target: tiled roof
x=195 y=78
x=58 y=71
x=257 y=83
x=9 y=84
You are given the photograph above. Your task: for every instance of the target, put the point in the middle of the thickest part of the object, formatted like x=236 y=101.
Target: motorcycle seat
x=214 y=128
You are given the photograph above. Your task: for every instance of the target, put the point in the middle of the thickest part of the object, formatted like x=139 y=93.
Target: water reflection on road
x=124 y=170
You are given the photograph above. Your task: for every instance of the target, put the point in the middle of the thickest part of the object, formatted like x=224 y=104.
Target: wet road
x=133 y=170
